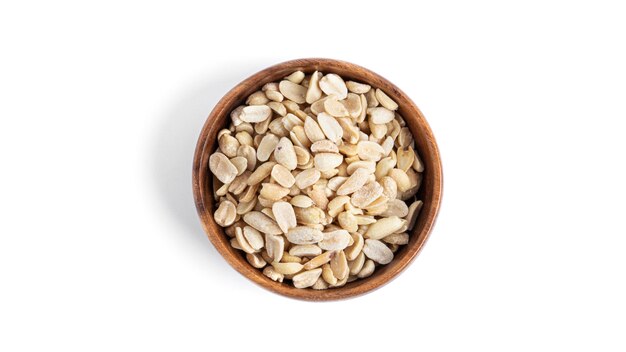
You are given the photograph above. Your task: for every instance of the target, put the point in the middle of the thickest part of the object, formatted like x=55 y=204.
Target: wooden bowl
x=430 y=191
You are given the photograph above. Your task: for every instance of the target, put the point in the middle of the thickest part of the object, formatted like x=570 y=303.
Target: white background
x=101 y=105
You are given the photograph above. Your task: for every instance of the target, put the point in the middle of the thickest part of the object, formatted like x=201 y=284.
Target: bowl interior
x=429 y=193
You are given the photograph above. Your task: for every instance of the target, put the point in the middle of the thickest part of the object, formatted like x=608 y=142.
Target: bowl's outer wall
x=430 y=191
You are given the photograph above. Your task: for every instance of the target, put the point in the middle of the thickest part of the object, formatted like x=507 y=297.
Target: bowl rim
x=224 y=106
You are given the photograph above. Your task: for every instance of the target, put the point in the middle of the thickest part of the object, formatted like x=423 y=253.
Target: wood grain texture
x=430 y=192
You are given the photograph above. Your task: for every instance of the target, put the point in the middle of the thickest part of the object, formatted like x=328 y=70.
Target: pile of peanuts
x=315 y=179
